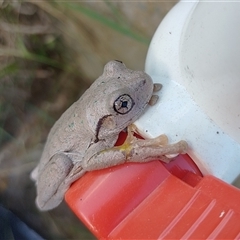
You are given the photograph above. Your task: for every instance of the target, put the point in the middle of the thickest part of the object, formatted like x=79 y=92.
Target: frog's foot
x=132 y=140
x=50 y=187
x=153 y=100
x=156 y=87
x=34 y=174
x=130 y=134
x=139 y=152
x=158 y=147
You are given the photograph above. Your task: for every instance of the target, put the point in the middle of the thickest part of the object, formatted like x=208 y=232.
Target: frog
x=83 y=138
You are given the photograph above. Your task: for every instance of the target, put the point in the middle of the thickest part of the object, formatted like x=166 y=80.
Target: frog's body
x=83 y=138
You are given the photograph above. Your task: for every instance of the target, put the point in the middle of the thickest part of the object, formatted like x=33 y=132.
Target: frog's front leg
x=135 y=151
x=142 y=152
x=51 y=185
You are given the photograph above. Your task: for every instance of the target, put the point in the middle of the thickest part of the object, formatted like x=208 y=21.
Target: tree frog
x=83 y=138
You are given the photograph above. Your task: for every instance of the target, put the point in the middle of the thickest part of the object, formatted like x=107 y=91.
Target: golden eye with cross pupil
x=123 y=104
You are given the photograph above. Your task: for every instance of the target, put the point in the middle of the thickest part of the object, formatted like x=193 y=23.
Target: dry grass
x=50 y=52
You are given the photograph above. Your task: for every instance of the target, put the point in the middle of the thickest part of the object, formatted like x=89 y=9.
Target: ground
x=50 y=52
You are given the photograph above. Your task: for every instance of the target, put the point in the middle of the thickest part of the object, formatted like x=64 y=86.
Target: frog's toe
x=183 y=146
x=34 y=174
x=161 y=140
x=153 y=100
x=157 y=87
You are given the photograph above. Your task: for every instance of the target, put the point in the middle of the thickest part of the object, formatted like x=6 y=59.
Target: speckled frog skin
x=84 y=136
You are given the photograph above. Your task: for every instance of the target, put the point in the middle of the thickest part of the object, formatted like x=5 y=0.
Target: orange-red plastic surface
x=156 y=201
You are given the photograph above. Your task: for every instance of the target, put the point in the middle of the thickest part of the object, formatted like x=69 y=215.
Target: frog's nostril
x=142 y=83
x=118 y=61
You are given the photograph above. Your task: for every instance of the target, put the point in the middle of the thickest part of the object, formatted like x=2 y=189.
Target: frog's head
x=119 y=97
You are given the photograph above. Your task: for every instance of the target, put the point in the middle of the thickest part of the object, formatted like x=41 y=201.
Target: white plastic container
x=195 y=54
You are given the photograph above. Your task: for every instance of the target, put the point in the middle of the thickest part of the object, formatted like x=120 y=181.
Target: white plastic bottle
x=195 y=54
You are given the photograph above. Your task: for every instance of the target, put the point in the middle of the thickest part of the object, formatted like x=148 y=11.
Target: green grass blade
x=108 y=22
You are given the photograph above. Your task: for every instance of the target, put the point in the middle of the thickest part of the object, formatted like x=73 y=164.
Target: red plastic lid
x=156 y=201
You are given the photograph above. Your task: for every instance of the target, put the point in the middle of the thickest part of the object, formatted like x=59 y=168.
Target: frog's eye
x=123 y=104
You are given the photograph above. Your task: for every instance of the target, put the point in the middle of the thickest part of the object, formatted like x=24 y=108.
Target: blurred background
x=50 y=52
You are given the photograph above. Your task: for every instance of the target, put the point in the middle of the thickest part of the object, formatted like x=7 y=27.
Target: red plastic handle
x=156 y=200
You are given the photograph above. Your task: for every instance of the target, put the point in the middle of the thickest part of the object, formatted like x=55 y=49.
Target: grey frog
x=84 y=136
